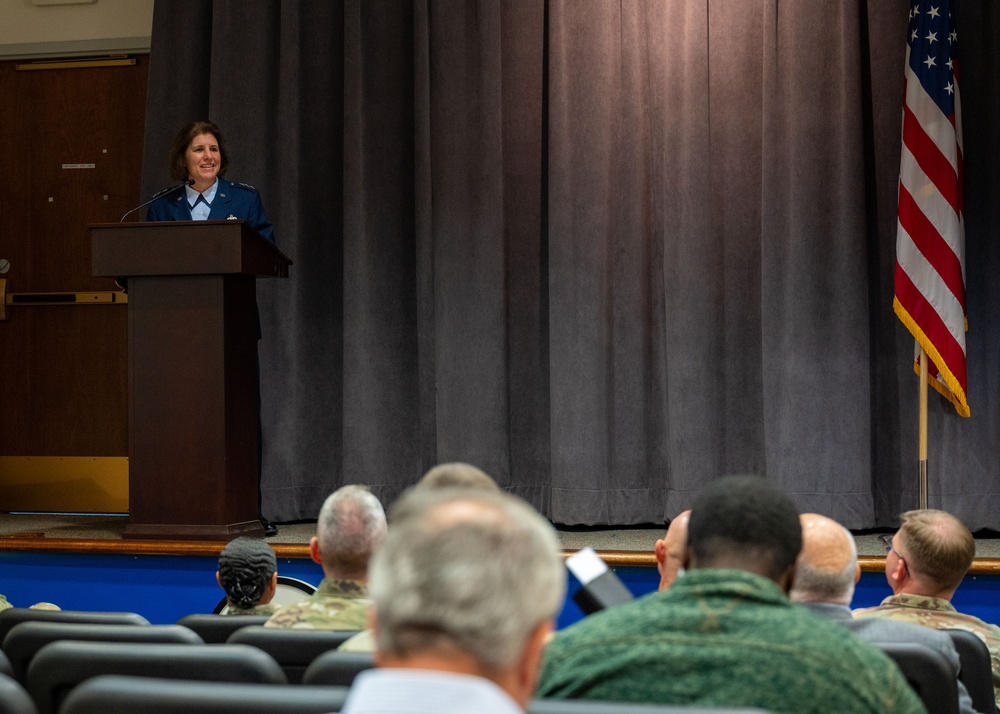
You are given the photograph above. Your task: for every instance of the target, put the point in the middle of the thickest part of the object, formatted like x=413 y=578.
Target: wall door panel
x=71 y=152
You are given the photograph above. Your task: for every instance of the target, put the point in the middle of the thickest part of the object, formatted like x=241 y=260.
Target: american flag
x=930 y=242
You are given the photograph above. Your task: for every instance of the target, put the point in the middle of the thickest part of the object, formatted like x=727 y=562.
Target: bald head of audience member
x=457 y=475
x=931 y=553
x=745 y=523
x=670 y=549
x=350 y=528
x=467 y=582
x=827 y=569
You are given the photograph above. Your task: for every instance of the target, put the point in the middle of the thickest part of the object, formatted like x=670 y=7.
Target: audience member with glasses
x=925 y=562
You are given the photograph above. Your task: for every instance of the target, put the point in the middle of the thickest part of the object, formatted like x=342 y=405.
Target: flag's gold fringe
x=957 y=395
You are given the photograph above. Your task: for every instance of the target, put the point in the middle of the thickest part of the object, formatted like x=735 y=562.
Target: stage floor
x=25 y=527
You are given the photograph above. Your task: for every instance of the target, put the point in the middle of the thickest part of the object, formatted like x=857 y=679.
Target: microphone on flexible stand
x=122 y=281
x=164 y=192
x=600 y=588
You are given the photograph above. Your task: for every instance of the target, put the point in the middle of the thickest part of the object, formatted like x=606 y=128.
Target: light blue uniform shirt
x=200 y=209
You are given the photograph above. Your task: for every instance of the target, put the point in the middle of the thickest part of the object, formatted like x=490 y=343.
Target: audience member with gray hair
x=465 y=589
x=248 y=572
x=454 y=474
x=825 y=575
x=350 y=527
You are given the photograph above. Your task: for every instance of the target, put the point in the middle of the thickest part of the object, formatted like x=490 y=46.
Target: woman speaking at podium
x=198 y=158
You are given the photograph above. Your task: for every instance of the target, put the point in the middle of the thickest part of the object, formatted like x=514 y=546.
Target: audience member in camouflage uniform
x=455 y=474
x=927 y=559
x=724 y=634
x=4 y=605
x=825 y=575
x=248 y=572
x=350 y=528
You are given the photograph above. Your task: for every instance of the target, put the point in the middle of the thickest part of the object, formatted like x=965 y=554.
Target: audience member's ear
x=314 y=550
x=787 y=579
x=530 y=663
x=897 y=574
x=218 y=579
x=660 y=549
x=372 y=618
x=270 y=589
x=857 y=573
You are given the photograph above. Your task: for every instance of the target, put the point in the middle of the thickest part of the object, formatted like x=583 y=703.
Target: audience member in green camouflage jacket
x=924 y=565
x=350 y=528
x=4 y=605
x=724 y=634
x=336 y=605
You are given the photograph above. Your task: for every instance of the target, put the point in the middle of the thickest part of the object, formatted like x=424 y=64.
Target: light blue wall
x=161 y=588
x=164 y=588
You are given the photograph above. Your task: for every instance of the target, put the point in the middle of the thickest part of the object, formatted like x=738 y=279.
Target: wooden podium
x=192 y=372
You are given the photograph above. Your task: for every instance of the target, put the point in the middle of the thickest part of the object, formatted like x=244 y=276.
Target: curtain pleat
x=606 y=251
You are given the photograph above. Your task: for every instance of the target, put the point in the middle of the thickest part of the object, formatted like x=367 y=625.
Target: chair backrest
x=288 y=592
x=13 y=698
x=927 y=671
x=293 y=649
x=216 y=629
x=112 y=694
x=583 y=706
x=337 y=669
x=61 y=666
x=27 y=638
x=16 y=615
x=977 y=669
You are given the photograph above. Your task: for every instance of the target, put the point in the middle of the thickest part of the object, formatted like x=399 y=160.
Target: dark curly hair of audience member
x=749 y=518
x=246 y=566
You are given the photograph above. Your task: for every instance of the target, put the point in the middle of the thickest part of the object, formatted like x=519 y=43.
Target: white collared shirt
x=421 y=691
x=201 y=209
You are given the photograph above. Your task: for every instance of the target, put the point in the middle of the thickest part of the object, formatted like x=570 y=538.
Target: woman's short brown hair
x=178 y=151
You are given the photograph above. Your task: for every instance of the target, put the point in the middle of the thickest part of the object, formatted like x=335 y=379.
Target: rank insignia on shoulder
x=247 y=186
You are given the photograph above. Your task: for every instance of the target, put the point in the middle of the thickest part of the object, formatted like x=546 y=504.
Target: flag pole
x=922 y=501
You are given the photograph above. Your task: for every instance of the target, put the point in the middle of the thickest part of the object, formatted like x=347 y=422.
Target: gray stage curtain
x=605 y=250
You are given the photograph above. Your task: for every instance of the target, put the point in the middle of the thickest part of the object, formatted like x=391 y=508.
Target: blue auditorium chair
x=928 y=673
x=216 y=629
x=113 y=694
x=337 y=669
x=16 y=615
x=61 y=666
x=27 y=638
x=13 y=698
x=293 y=649
x=977 y=668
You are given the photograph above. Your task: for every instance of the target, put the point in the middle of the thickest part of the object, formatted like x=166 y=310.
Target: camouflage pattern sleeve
x=336 y=605
x=940 y=614
x=364 y=641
